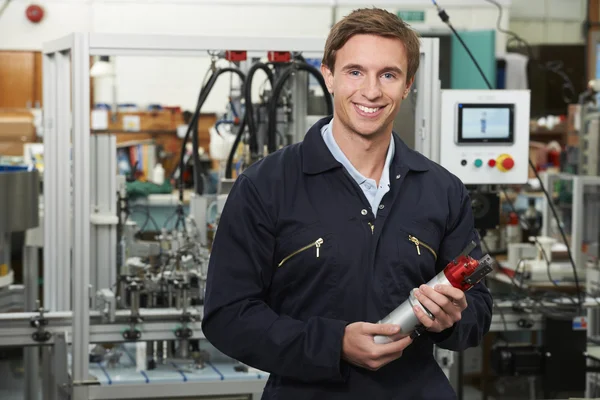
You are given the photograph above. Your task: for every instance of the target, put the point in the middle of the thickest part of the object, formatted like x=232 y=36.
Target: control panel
x=484 y=135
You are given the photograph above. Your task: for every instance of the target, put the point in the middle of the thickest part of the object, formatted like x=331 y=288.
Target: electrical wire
x=279 y=86
x=4 y=7
x=446 y=19
x=568 y=89
x=193 y=126
x=252 y=126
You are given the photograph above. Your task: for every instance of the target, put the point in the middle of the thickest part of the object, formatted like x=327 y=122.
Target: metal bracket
x=187 y=318
x=132 y=334
x=39 y=322
x=103 y=219
x=184 y=333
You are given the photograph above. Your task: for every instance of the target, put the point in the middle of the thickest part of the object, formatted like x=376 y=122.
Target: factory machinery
x=120 y=316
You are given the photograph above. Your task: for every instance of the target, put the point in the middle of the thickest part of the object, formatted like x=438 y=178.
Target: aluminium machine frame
x=81 y=222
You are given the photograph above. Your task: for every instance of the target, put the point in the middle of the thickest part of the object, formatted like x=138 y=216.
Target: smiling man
x=322 y=239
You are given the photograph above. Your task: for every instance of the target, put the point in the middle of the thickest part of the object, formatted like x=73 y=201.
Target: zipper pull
x=372 y=228
x=318 y=244
x=416 y=242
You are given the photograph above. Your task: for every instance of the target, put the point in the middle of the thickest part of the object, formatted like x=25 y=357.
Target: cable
x=279 y=85
x=446 y=19
x=193 y=126
x=568 y=90
x=248 y=118
x=4 y=7
x=252 y=126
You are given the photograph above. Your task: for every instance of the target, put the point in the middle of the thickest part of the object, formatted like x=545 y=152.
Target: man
x=320 y=240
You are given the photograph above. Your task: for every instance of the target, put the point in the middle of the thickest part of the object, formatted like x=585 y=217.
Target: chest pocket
x=416 y=259
x=306 y=271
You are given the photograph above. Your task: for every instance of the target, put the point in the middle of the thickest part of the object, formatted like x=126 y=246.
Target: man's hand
x=360 y=349
x=445 y=302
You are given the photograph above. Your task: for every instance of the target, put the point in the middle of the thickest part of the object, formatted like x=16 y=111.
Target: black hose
x=279 y=85
x=236 y=142
x=252 y=126
x=193 y=127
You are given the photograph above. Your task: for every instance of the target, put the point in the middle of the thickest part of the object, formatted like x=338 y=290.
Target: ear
x=328 y=76
x=408 y=86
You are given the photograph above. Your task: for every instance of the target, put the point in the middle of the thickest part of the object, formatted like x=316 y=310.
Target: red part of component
x=456 y=271
x=234 y=56
x=492 y=163
x=34 y=13
x=279 y=56
x=508 y=163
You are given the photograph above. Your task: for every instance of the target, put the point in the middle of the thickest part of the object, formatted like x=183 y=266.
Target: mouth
x=368 y=112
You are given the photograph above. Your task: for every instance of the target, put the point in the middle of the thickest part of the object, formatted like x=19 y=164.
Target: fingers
x=446 y=303
x=432 y=325
x=380 y=329
x=383 y=354
x=440 y=300
x=396 y=347
x=457 y=297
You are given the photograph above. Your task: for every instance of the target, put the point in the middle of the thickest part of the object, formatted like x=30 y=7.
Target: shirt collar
x=317 y=158
x=338 y=154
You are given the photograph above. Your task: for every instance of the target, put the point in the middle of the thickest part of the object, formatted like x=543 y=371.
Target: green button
x=478 y=163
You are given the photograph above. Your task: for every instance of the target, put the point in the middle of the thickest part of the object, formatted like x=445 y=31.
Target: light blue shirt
x=372 y=192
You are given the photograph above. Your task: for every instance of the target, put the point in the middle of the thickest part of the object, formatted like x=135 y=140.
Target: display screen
x=485 y=123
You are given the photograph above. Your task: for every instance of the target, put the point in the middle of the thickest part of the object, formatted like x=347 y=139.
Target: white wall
x=176 y=81
x=548 y=21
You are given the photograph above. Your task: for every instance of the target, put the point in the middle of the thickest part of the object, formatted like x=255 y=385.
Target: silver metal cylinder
x=19 y=211
x=19 y=199
x=404 y=316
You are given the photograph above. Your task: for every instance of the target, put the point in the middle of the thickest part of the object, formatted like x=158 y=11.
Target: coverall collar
x=316 y=157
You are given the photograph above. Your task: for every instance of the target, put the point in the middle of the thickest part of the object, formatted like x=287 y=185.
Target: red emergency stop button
x=508 y=163
x=505 y=162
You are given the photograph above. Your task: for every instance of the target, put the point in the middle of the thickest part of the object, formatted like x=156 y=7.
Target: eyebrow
x=349 y=67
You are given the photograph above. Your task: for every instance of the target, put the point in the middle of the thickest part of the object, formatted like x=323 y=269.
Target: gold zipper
x=317 y=243
x=372 y=228
x=418 y=245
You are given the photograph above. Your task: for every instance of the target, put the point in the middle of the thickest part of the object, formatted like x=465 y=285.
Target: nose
x=371 y=88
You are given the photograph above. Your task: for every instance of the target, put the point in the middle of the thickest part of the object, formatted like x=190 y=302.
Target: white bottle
x=158 y=174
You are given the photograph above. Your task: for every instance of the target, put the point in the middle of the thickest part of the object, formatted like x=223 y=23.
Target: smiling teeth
x=367 y=109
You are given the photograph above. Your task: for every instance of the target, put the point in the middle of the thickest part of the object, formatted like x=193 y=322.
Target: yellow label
x=3 y=269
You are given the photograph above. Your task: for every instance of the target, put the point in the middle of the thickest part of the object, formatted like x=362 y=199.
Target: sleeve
x=477 y=317
x=237 y=319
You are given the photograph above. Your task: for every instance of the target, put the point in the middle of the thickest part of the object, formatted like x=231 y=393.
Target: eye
x=388 y=75
x=354 y=73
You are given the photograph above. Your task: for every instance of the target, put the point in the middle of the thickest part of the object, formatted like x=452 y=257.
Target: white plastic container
x=158 y=174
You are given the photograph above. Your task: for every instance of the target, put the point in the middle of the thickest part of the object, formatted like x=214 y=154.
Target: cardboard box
x=12 y=149
x=17 y=126
x=145 y=121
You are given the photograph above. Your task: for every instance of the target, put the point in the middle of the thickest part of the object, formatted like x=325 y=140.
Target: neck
x=366 y=153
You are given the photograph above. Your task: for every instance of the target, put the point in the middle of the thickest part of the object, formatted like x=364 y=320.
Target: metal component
x=452 y=275
x=40 y=322
x=159 y=325
x=486 y=265
x=584 y=218
x=19 y=193
x=103 y=244
x=107 y=298
x=177 y=390
x=467 y=250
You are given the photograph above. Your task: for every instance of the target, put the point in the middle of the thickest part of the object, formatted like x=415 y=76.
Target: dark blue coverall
x=298 y=255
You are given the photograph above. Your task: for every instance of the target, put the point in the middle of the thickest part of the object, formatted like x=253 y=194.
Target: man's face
x=368 y=83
